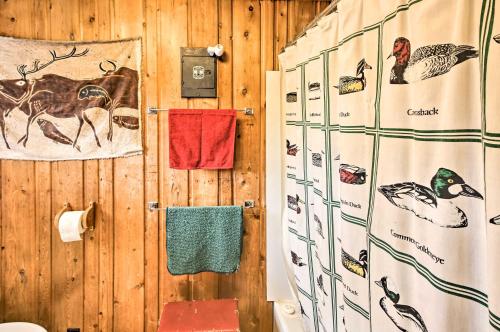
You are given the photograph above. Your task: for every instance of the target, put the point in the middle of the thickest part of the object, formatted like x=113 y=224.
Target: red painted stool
x=212 y=315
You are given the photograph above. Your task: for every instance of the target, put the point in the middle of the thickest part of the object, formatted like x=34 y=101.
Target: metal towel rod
x=155 y=110
x=155 y=206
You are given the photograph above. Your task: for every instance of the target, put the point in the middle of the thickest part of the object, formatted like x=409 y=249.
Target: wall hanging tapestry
x=69 y=100
x=392 y=156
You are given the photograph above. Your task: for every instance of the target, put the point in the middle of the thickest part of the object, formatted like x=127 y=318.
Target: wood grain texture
x=117 y=279
x=203 y=183
x=151 y=248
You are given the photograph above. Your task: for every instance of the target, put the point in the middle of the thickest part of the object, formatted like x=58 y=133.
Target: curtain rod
x=328 y=10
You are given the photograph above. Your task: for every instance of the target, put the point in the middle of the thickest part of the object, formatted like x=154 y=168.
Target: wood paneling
x=116 y=279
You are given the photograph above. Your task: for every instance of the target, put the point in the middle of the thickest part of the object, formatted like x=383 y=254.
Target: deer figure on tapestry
x=63 y=97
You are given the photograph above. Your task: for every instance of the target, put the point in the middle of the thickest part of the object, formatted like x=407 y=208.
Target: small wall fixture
x=87 y=219
x=217 y=50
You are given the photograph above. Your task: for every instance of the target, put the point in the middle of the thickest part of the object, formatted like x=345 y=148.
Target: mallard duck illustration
x=433 y=204
x=405 y=318
x=360 y=266
x=297 y=260
x=350 y=84
x=495 y=220
x=426 y=61
x=497 y=38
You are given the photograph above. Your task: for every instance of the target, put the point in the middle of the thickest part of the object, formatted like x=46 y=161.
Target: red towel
x=201 y=138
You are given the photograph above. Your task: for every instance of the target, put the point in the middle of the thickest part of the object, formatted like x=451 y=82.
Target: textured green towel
x=204 y=239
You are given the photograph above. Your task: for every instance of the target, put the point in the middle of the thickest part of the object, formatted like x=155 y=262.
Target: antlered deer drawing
x=62 y=97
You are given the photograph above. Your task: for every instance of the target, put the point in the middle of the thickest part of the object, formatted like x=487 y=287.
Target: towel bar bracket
x=155 y=206
x=154 y=110
x=249 y=204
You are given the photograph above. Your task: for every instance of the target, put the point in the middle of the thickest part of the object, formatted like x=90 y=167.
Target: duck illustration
x=497 y=38
x=319 y=226
x=319 y=281
x=360 y=266
x=426 y=61
x=297 y=260
x=352 y=174
x=433 y=204
x=405 y=318
x=350 y=84
x=291 y=149
x=293 y=203
x=314 y=90
x=291 y=97
x=317 y=158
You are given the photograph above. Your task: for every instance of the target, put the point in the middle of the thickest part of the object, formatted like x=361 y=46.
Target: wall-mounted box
x=199 y=73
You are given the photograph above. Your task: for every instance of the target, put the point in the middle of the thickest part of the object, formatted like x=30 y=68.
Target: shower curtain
x=390 y=110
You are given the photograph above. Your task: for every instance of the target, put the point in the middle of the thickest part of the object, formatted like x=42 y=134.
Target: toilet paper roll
x=70 y=227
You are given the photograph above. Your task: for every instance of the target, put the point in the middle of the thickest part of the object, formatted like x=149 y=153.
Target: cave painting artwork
x=61 y=101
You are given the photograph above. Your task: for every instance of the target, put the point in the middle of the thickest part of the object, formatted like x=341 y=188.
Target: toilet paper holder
x=87 y=219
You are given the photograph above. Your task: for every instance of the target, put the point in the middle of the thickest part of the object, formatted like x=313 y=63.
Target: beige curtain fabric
x=392 y=163
x=69 y=100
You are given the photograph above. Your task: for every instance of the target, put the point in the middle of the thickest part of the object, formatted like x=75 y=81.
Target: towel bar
x=155 y=110
x=155 y=206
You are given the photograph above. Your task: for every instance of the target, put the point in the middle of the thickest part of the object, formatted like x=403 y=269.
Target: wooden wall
x=116 y=279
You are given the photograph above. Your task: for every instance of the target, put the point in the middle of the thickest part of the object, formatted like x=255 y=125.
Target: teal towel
x=204 y=239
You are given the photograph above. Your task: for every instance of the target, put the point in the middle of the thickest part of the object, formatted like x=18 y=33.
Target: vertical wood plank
x=67 y=185
x=225 y=92
x=104 y=221
x=300 y=14
x=151 y=277
x=203 y=31
x=18 y=248
x=267 y=56
x=18 y=281
x=129 y=205
x=90 y=31
x=224 y=87
x=246 y=67
x=43 y=206
x=105 y=205
x=44 y=229
x=174 y=183
x=280 y=29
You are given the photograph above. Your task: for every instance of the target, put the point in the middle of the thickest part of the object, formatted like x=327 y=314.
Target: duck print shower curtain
x=392 y=125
